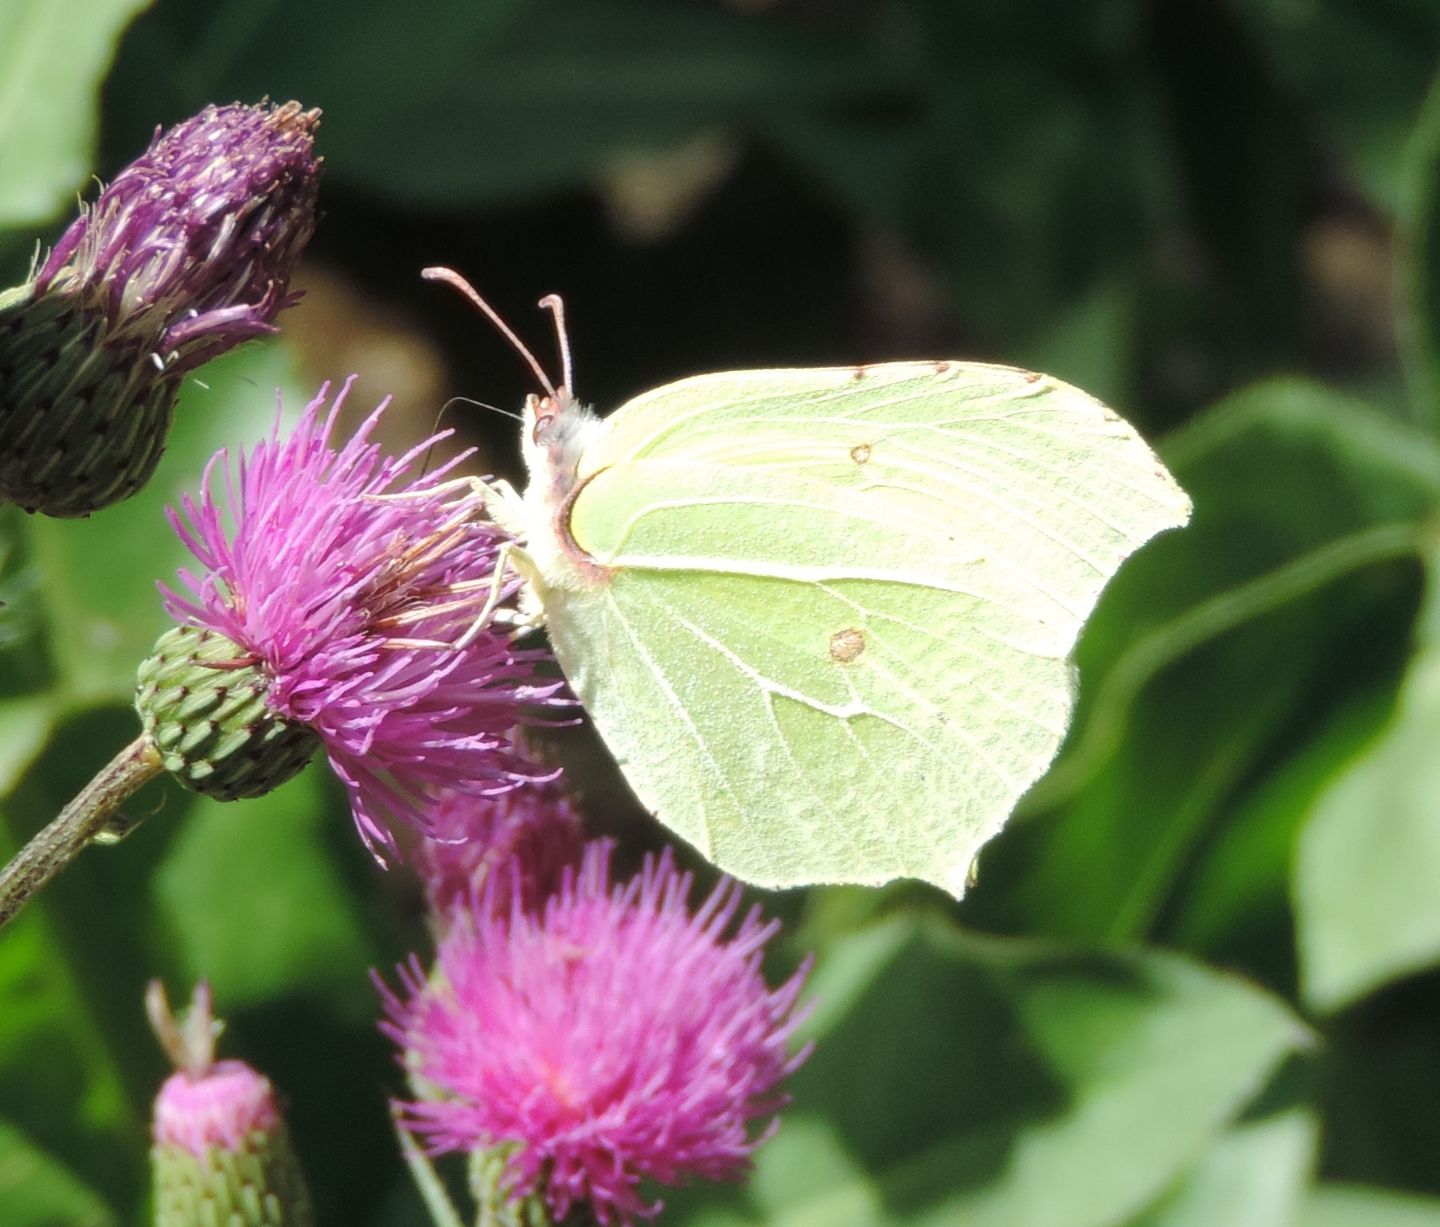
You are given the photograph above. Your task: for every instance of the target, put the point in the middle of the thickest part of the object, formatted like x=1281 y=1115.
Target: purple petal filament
x=356 y=581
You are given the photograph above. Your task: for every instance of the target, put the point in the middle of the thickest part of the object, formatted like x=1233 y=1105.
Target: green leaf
x=1089 y=342
x=501 y=101
x=986 y=1082
x=652 y=75
x=36 y=1191
x=52 y=57
x=1254 y=1175
x=99 y=574
x=59 y=1077
x=253 y=900
x=1362 y=69
x=1338 y=1205
x=1235 y=905
x=25 y=724
x=804 y=1176
x=27 y=709
x=1022 y=196
x=1417 y=267
x=1378 y=1073
x=1366 y=906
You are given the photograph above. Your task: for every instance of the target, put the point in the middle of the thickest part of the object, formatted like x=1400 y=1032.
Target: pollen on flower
x=362 y=587
x=613 y=1038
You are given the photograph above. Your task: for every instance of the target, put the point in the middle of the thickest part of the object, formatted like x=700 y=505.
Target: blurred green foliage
x=1197 y=982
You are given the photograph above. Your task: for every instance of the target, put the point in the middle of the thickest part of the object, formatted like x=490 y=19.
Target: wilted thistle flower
x=188 y=252
x=343 y=608
x=615 y=1037
x=523 y=840
x=221 y=1152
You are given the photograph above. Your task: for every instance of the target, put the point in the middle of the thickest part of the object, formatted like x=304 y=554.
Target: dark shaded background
x=1215 y=215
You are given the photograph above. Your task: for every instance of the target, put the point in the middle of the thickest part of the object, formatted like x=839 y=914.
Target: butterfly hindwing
x=788 y=754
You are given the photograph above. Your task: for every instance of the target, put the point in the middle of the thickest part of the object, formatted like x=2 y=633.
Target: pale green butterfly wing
x=833 y=645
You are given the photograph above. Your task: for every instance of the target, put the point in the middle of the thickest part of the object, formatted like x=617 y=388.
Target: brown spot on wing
x=846 y=645
x=860 y=453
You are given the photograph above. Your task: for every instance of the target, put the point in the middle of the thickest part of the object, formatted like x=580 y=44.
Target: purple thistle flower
x=186 y=254
x=615 y=1036
x=354 y=583
x=523 y=840
x=192 y=245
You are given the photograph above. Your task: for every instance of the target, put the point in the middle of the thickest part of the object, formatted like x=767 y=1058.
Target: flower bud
x=203 y=701
x=221 y=1151
x=187 y=253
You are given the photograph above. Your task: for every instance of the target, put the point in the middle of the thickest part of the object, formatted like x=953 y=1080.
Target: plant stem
x=427 y=1180
x=78 y=824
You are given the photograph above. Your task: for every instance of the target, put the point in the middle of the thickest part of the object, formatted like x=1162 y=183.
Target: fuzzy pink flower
x=217 y=1109
x=355 y=582
x=511 y=848
x=616 y=1037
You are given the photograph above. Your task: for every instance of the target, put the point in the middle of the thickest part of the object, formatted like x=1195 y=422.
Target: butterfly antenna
x=450 y=276
x=478 y=404
x=553 y=304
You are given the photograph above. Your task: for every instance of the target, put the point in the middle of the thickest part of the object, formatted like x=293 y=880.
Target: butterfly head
x=555 y=424
x=556 y=431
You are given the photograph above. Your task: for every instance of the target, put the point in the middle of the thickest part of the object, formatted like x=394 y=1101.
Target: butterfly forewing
x=833 y=645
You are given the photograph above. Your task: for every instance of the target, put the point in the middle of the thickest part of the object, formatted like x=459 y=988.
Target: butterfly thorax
x=557 y=430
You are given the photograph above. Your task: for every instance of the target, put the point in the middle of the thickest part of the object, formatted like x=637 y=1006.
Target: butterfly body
x=823 y=618
x=556 y=432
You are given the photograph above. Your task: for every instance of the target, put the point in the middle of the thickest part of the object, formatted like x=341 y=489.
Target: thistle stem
x=427 y=1180
x=49 y=851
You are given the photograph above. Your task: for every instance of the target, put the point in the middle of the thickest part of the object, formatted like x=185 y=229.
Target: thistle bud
x=185 y=254
x=221 y=1151
x=203 y=701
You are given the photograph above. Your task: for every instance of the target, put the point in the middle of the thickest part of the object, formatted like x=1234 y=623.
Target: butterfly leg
x=521 y=621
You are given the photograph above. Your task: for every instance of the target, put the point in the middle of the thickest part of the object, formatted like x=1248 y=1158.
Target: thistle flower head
x=510 y=849
x=192 y=245
x=355 y=585
x=220 y=1107
x=188 y=252
x=221 y=1152
x=613 y=1038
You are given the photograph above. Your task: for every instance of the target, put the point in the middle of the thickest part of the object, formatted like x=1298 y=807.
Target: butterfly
x=822 y=618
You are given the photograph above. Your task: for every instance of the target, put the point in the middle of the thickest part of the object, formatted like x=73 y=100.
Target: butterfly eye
x=542 y=427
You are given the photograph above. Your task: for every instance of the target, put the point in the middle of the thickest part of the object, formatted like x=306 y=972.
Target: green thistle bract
x=204 y=705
